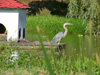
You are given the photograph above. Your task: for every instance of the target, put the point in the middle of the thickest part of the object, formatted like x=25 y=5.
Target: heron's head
x=67 y=24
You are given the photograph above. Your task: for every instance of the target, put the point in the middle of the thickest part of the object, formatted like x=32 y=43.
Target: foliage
x=53 y=7
x=86 y=9
x=43 y=11
x=34 y=62
x=62 y=65
x=54 y=24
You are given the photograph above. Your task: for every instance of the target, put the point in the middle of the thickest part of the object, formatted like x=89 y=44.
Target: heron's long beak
x=70 y=24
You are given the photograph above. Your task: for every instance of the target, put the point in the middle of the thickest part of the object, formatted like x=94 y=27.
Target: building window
x=19 y=33
x=23 y=33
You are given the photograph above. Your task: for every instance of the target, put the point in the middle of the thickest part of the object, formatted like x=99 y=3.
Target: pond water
x=74 y=43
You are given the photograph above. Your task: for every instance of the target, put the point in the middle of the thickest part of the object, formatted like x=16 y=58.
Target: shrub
x=43 y=11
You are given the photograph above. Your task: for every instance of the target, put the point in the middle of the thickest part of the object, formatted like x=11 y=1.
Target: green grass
x=54 y=24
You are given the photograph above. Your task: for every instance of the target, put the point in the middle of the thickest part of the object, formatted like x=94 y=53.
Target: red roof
x=12 y=4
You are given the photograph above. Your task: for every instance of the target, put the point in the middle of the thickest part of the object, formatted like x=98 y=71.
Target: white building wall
x=9 y=18
x=22 y=22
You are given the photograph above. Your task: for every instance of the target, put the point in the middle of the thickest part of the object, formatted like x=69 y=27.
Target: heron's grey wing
x=57 y=37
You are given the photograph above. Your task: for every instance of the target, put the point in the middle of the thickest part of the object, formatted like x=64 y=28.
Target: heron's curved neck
x=65 y=30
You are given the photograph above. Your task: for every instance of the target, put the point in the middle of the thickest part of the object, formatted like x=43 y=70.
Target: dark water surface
x=74 y=43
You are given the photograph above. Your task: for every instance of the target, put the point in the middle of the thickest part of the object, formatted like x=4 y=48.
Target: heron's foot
x=62 y=46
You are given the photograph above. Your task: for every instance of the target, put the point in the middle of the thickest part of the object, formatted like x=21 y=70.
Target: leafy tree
x=86 y=9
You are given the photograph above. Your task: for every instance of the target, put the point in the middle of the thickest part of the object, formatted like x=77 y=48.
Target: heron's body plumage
x=57 y=37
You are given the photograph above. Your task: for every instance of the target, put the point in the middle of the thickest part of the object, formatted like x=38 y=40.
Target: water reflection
x=34 y=37
x=74 y=44
x=81 y=45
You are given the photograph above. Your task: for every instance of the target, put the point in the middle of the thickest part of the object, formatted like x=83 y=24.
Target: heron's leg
x=62 y=46
x=58 y=42
x=58 y=47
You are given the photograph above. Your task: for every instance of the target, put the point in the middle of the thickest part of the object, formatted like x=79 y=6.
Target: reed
x=45 y=54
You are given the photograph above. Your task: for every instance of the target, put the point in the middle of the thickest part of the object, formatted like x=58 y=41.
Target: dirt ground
x=3 y=37
x=24 y=72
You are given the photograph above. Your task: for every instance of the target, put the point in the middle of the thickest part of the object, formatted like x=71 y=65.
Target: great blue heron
x=60 y=35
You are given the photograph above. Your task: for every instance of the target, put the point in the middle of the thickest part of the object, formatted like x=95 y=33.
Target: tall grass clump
x=43 y=11
x=54 y=24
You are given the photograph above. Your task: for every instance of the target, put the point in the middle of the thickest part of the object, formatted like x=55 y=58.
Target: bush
x=43 y=11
